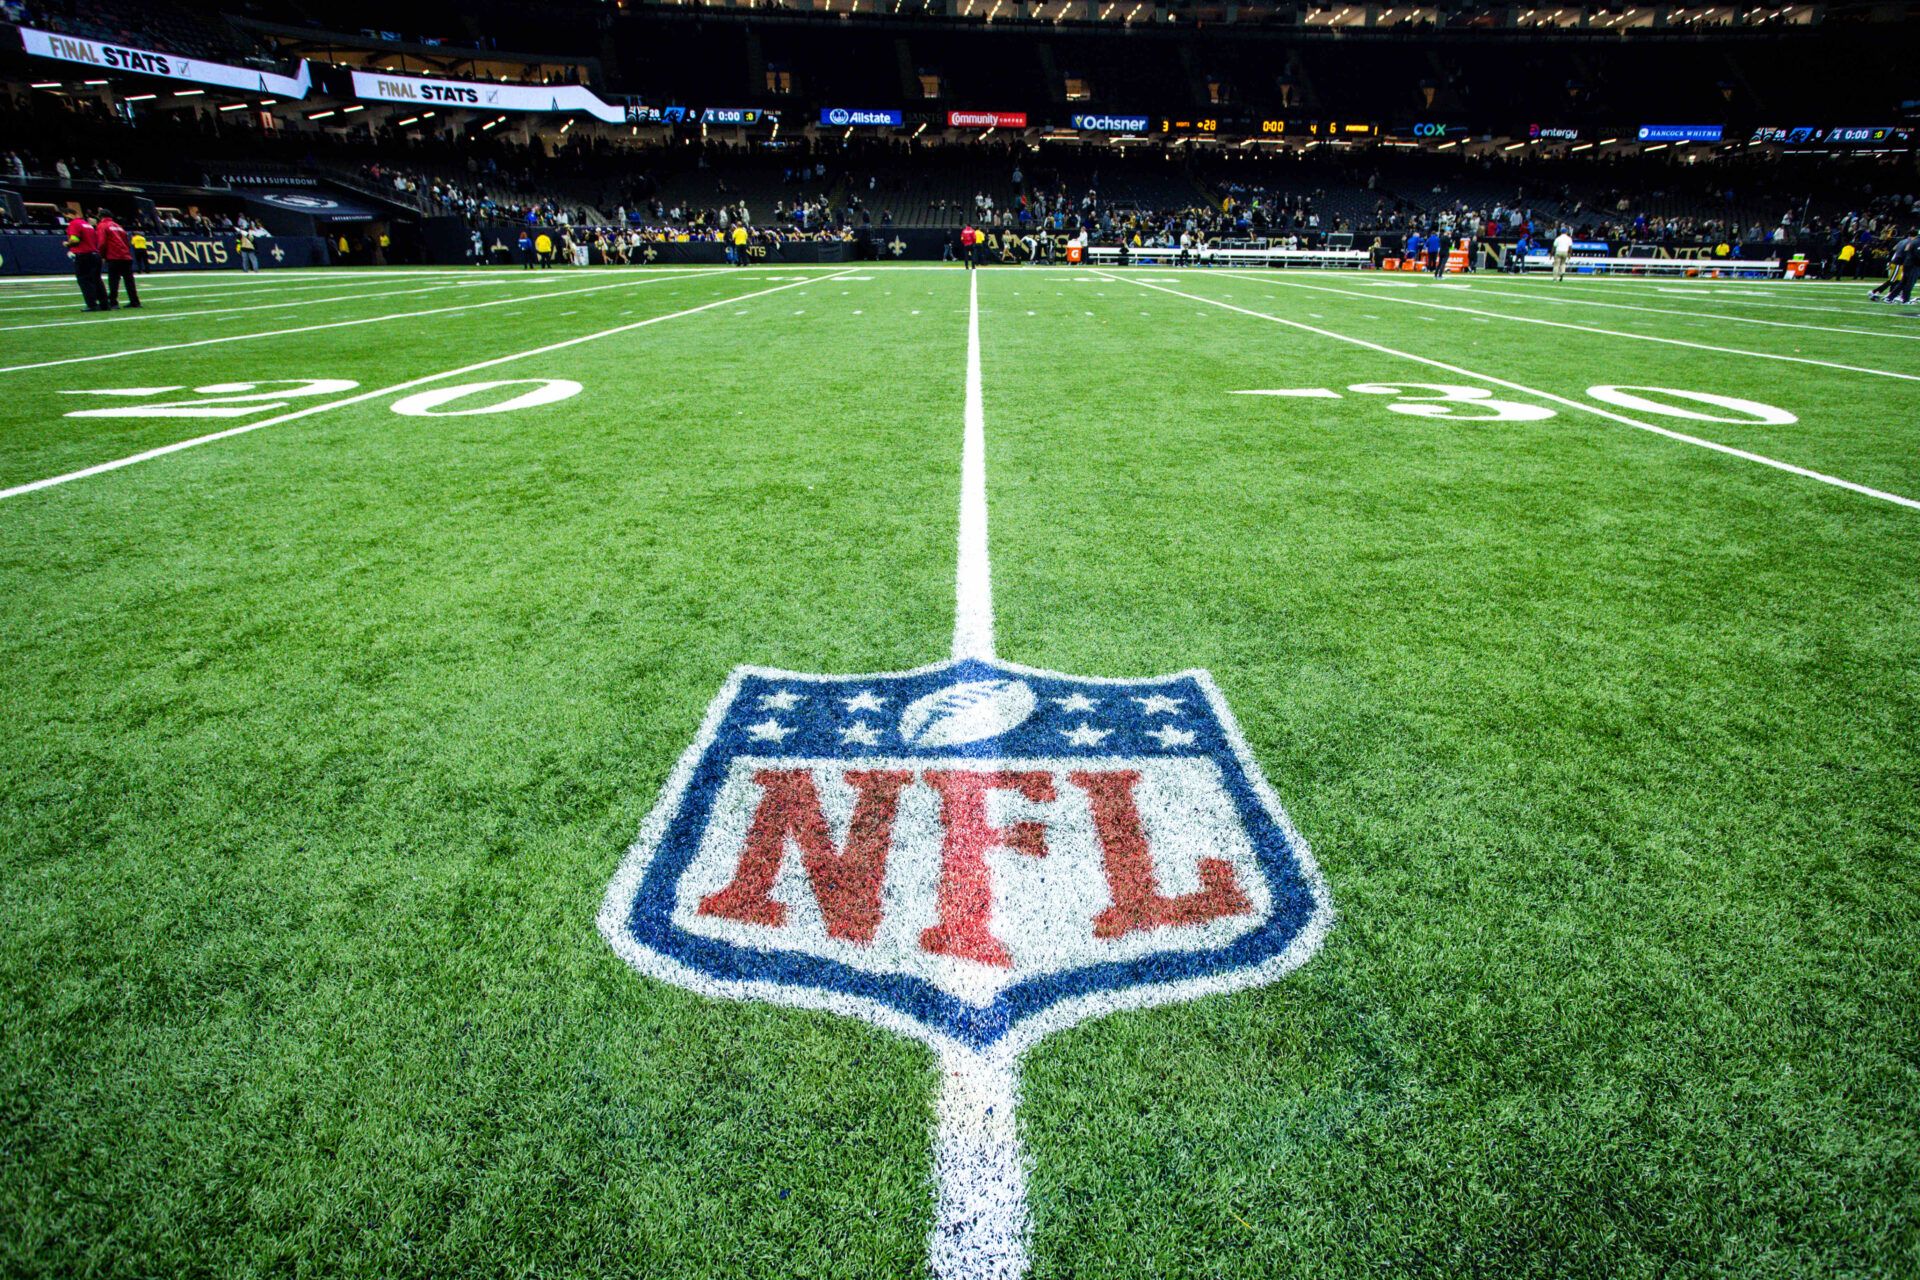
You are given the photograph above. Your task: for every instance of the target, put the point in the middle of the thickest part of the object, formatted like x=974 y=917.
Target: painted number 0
x=432 y=404
x=1446 y=400
x=1753 y=413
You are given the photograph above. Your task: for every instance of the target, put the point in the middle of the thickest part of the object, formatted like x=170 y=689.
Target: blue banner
x=1112 y=124
x=1680 y=132
x=45 y=253
x=843 y=116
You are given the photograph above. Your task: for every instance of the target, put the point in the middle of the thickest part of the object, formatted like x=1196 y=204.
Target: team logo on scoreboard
x=973 y=853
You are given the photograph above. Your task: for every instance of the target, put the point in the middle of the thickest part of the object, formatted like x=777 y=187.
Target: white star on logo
x=768 y=730
x=1169 y=736
x=865 y=700
x=785 y=700
x=861 y=733
x=1158 y=702
x=1077 y=702
x=1085 y=735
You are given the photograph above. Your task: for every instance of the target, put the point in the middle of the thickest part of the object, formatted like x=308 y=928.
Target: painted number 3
x=239 y=399
x=1446 y=400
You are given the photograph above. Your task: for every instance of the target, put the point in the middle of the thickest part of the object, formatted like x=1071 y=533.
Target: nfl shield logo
x=974 y=853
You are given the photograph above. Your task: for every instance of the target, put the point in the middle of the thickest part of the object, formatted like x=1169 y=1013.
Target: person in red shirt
x=83 y=245
x=117 y=252
x=968 y=239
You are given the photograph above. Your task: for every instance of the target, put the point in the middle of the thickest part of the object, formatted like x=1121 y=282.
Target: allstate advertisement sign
x=841 y=117
x=974 y=853
x=1111 y=124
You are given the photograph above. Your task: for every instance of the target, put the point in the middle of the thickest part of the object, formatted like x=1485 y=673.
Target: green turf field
x=326 y=735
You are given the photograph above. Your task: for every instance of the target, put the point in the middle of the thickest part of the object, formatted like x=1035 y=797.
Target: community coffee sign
x=126 y=60
x=987 y=119
x=559 y=99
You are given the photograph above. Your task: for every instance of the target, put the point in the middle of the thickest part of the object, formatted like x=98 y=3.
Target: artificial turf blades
x=325 y=739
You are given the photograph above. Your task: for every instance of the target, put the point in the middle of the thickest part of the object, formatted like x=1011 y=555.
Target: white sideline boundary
x=144 y=313
x=1731 y=296
x=1578 y=328
x=1534 y=295
x=331 y=324
x=1621 y=418
x=361 y=397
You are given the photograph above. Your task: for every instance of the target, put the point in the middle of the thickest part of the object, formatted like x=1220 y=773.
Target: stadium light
x=47 y=84
x=93 y=84
x=140 y=97
x=189 y=93
x=347 y=111
x=319 y=115
x=235 y=106
x=403 y=124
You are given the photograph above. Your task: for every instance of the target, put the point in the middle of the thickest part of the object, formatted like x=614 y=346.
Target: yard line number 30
x=1477 y=404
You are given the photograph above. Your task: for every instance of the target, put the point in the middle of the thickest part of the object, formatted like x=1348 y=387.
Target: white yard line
x=362 y=397
x=973 y=607
x=335 y=324
x=146 y=313
x=1536 y=295
x=1578 y=328
x=1595 y=410
x=167 y=286
x=980 y=1217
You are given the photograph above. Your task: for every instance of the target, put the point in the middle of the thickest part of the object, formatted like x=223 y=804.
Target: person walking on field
x=117 y=252
x=968 y=236
x=83 y=243
x=1562 y=250
x=249 y=260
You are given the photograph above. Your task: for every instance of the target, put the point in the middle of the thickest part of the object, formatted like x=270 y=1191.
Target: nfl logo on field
x=974 y=853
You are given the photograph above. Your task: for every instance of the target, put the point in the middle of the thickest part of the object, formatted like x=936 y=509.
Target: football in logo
x=966 y=712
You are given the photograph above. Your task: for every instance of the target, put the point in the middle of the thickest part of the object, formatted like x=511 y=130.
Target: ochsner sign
x=170 y=66
x=375 y=86
x=1111 y=124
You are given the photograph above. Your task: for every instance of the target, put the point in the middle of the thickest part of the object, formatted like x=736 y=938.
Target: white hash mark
x=1085 y=735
